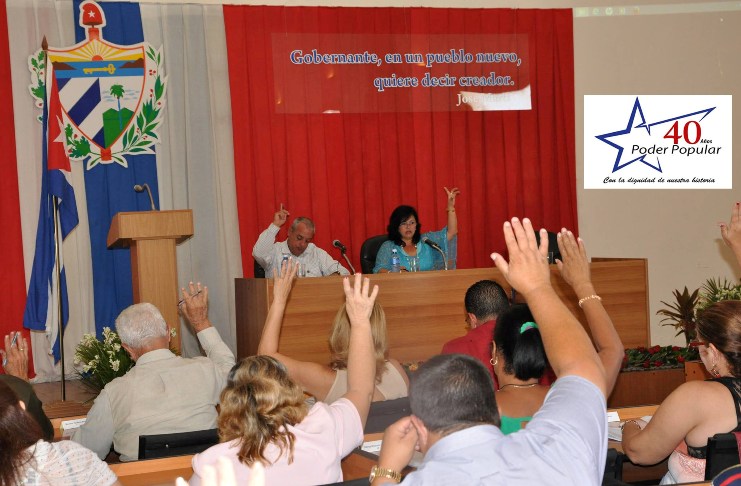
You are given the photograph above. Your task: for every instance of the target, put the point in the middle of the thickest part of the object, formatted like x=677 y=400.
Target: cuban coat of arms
x=111 y=96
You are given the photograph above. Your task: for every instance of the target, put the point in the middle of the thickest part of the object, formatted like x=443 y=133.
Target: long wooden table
x=425 y=309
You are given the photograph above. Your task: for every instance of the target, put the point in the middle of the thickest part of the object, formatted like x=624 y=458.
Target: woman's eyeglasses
x=408 y=224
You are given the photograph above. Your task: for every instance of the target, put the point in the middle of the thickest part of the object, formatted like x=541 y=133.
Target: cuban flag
x=47 y=291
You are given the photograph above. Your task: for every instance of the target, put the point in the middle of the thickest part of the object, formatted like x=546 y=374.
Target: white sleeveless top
x=392 y=385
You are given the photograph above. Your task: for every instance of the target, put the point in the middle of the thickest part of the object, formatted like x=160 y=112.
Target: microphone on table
x=343 y=249
x=142 y=188
x=435 y=246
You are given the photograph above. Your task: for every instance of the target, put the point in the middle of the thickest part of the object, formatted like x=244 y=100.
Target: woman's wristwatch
x=380 y=472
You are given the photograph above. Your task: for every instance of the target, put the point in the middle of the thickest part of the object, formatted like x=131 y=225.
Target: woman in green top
x=518 y=355
x=519 y=362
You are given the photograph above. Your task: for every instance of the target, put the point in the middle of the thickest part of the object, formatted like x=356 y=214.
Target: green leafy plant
x=715 y=291
x=680 y=314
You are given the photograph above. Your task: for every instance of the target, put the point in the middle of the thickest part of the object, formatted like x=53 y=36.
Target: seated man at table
x=455 y=417
x=314 y=261
x=484 y=301
x=163 y=393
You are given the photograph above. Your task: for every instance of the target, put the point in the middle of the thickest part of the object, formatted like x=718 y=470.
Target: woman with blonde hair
x=265 y=419
x=329 y=382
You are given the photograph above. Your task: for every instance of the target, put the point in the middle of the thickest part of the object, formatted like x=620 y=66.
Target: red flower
x=675 y=348
x=680 y=359
x=646 y=364
x=658 y=363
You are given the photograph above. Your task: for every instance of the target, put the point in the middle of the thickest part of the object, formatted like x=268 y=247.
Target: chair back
x=178 y=444
x=722 y=453
x=553 y=251
x=386 y=412
x=368 y=252
x=259 y=271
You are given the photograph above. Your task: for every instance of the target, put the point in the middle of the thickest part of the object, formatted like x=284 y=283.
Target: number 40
x=674 y=135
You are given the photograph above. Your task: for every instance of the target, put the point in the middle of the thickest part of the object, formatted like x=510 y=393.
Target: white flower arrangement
x=100 y=362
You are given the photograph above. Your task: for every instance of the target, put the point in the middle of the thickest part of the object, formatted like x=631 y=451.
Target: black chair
x=179 y=444
x=613 y=475
x=259 y=271
x=553 y=252
x=368 y=252
x=384 y=413
x=722 y=453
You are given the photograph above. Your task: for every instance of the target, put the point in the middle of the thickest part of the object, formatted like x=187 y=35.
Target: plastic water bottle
x=395 y=261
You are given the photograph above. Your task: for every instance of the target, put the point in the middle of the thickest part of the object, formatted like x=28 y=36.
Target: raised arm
x=263 y=249
x=312 y=377
x=452 y=218
x=361 y=368
x=569 y=350
x=575 y=271
x=731 y=232
x=194 y=307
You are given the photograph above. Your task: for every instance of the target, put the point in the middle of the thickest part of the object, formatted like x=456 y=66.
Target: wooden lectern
x=152 y=236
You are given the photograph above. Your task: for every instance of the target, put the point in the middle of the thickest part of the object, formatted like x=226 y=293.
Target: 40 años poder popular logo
x=111 y=96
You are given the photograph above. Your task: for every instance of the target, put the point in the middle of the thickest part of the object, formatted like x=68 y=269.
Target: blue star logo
x=641 y=123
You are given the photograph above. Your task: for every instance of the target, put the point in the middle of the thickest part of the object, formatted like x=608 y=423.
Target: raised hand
x=359 y=299
x=574 y=264
x=452 y=194
x=16 y=356
x=731 y=232
x=194 y=306
x=283 y=282
x=281 y=216
x=527 y=269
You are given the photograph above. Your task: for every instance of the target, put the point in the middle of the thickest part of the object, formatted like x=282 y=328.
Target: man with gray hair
x=163 y=393
x=314 y=261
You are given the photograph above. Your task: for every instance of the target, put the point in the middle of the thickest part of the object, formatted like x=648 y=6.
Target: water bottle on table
x=395 y=261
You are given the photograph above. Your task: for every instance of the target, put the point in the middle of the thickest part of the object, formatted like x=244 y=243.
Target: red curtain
x=348 y=171
x=11 y=271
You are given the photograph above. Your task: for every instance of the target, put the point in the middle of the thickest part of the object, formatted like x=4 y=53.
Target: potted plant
x=681 y=313
x=715 y=291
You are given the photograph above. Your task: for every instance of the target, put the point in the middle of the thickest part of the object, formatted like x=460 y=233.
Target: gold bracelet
x=451 y=210
x=629 y=422
x=589 y=297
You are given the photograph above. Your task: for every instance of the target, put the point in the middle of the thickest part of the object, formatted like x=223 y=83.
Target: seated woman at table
x=329 y=382
x=404 y=232
x=26 y=458
x=518 y=355
x=264 y=417
x=696 y=410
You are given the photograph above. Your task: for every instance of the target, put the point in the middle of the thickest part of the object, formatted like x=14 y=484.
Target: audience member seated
x=163 y=393
x=485 y=301
x=405 y=237
x=455 y=418
x=265 y=419
x=16 y=377
x=26 y=458
x=519 y=363
x=314 y=261
x=697 y=410
x=518 y=356
x=329 y=382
